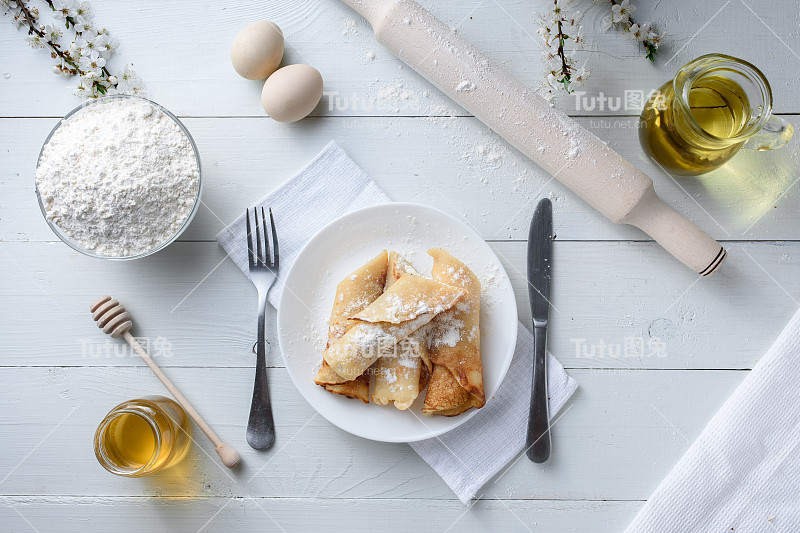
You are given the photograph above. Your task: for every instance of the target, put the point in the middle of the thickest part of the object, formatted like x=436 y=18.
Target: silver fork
x=263 y=271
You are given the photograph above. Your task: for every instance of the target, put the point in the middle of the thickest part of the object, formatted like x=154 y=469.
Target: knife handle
x=537 y=445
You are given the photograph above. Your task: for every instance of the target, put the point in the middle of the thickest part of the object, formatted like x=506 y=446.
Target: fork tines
x=261 y=256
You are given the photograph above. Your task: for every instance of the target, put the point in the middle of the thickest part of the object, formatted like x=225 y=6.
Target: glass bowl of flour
x=119 y=178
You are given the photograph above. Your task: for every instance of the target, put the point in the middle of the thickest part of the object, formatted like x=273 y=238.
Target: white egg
x=257 y=50
x=292 y=92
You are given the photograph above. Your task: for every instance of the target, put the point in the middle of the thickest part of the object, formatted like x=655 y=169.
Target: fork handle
x=260 y=426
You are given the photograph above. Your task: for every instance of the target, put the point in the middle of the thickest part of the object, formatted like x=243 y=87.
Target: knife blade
x=540 y=264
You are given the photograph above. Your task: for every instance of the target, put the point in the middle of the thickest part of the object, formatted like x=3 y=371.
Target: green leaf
x=651 y=51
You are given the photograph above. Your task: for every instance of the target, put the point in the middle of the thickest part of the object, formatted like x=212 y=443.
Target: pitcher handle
x=775 y=134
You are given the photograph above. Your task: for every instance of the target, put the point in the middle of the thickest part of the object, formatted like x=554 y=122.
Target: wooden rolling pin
x=558 y=144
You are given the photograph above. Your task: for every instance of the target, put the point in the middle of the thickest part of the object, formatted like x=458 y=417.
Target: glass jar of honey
x=143 y=436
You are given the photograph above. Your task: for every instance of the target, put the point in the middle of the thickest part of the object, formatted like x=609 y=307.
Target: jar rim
x=699 y=67
x=99 y=441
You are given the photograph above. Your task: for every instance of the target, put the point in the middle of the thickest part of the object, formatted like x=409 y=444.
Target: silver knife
x=540 y=263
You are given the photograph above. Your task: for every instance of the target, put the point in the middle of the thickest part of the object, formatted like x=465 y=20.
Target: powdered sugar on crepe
x=448 y=330
x=372 y=339
x=417 y=306
x=389 y=376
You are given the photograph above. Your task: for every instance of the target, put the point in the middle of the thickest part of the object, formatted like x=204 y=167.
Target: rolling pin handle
x=689 y=244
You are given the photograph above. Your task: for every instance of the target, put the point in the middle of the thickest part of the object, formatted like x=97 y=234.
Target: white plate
x=349 y=242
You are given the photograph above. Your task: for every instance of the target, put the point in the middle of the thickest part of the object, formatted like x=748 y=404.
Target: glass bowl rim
x=66 y=239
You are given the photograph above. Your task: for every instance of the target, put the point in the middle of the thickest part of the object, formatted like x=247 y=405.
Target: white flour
x=119 y=177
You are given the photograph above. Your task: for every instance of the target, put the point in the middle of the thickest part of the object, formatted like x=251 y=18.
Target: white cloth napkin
x=467 y=457
x=329 y=186
x=742 y=474
x=470 y=455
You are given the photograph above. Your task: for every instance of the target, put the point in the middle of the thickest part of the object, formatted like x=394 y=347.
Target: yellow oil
x=141 y=437
x=718 y=105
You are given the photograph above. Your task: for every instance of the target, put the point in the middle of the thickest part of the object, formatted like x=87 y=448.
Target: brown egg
x=257 y=50
x=292 y=92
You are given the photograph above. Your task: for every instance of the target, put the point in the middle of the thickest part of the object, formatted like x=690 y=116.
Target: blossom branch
x=563 y=72
x=29 y=17
x=622 y=18
x=87 y=54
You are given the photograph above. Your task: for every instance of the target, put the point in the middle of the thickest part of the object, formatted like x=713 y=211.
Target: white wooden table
x=633 y=415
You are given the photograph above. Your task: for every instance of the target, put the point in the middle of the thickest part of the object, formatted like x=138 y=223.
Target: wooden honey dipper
x=113 y=319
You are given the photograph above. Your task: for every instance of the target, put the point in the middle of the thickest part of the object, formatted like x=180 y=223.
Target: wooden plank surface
x=182 y=53
x=444 y=162
x=620 y=424
x=604 y=293
x=636 y=411
x=132 y=515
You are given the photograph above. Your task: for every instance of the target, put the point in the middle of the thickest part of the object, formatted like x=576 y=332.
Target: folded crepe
x=455 y=340
x=353 y=294
x=445 y=396
x=410 y=303
x=402 y=374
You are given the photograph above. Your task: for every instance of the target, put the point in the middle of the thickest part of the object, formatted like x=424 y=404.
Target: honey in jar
x=143 y=436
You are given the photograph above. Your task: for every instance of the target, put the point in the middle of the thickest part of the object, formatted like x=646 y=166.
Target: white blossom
x=84 y=42
x=35 y=41
x=94 y=65
x=551 y=81
x=84 y=89
x=84 y=10
x=81 y=24
x=655 y=38
x=581 y=75
x=100 y=42
x=620 y=17
x=622 y=12
x=64 y=9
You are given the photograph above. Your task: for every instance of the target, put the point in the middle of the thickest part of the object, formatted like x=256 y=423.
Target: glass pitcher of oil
x=715 y=106
x=141 y=437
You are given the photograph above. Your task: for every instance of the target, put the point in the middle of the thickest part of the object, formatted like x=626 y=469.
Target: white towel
x=742 y=474
x=467 y=457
